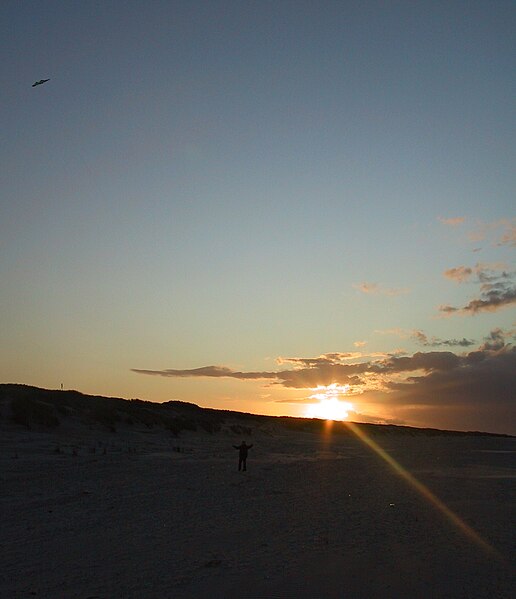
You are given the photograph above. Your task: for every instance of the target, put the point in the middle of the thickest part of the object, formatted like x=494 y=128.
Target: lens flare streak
x=424 y=491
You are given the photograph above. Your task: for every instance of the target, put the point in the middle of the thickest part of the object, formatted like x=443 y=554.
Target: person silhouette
x=242 y=455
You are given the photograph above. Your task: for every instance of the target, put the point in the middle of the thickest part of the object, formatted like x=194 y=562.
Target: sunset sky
x=260 y=206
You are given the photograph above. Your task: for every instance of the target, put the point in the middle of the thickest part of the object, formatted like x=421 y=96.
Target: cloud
x=493 y=297
x=459 y=274
x=376 y=289
x=497 y=289
x=394 y=331
x=367 y=287
x=485 y=272
x=477 y=394
x=475 y=390
x=425 y=341
x=304 y=400
x=359 y=343
x=319 y=373
x=314 y=373
x=422 y=339
x=495 y=341
x=329 y=358
x=452 y=222
x=480 y=376
x=492 y=272
x=509 y=236
x=426 y=361
x=503 y=231
x=204 y=371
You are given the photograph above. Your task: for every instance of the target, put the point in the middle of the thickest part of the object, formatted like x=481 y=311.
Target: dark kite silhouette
x=40 y=82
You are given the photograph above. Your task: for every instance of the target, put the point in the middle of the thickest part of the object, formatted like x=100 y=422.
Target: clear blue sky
x=232 y=184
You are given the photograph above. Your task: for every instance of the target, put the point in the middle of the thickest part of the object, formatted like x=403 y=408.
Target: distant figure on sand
x=242 y=454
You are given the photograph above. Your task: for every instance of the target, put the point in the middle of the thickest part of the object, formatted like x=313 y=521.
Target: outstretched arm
x=249 y=446
x=236 y=447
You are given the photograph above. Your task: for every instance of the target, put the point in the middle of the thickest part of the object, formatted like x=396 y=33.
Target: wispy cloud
x=376 y=289
x=501 y=232
x=402 y=333
x=452 y=222
x=204 y=371
x=422 y=338
x=509 y=235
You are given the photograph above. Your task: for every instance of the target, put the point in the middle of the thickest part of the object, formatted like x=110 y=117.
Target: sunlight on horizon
x=329 y=406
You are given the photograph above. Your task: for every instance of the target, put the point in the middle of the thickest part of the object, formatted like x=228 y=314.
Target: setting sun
x=329 y=406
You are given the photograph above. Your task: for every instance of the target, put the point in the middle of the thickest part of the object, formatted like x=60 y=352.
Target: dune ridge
x=37 y=407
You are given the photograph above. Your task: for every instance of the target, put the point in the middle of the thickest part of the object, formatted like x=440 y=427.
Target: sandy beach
x=88 y=513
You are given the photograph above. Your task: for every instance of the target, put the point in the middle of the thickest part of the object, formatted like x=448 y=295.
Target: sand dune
x=141 y=511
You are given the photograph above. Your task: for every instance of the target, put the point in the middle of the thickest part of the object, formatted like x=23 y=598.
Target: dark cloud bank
x=475 y=390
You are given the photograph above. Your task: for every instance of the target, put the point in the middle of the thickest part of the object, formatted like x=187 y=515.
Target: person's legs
x=240 y=464
x=245 y=467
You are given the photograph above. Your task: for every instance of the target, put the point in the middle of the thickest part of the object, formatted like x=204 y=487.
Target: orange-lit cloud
x=503 y=231
x=481 y=381
x=376 y=289
x=329 y=358
x=452 y=222
x=484 y=272
x=509 y=236
x=393 y=331
x=316 y=373
x=459 y=274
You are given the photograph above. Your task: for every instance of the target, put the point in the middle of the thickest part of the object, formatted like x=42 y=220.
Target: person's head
x=243 y=442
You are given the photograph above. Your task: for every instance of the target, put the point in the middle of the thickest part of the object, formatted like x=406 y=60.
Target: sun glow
x=328 y=405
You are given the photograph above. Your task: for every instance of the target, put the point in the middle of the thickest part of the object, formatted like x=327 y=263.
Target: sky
x=263 y=206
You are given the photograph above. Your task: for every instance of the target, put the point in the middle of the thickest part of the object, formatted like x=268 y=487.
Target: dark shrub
x=27 y=411
x=176 y=425
x=210 y=426
x=241 y=430
x=63 y=410
x=146 y=417
x=105 y=415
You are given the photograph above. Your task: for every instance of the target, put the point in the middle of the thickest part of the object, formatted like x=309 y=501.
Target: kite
x=40 y=82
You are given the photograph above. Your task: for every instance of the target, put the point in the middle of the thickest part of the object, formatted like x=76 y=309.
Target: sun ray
x=467 y=530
